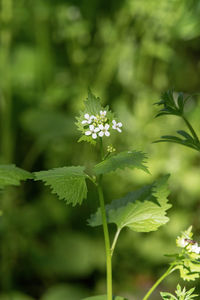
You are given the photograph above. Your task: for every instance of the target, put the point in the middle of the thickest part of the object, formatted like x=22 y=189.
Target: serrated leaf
x=86 y=138
x=92 y=104
x=12 y=175
x=130 y=159
x=189 y=270
x=143 y=210
x=104 y=297
x=67 y=182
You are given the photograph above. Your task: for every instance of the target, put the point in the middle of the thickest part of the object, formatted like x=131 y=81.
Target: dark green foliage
x=173 y=106
x=187 y=141
x=12 y=175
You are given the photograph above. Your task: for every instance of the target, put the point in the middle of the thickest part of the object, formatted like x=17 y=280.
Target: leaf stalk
x=191 y=129
x=115 y=240
x=169 y=271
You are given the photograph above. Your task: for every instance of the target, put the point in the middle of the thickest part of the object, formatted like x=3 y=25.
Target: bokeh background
x=127 y=52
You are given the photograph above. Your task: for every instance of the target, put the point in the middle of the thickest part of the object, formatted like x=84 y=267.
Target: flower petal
x=91 y=127
x=101 y=133
x=107 y=126
x=107 y=133
x=94 y=135
x=97 y=129
x=88 y=132
x=87 y=116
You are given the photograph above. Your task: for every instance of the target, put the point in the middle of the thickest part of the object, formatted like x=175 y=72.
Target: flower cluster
x=110 y=149
x=188 y=244
x=99 y=125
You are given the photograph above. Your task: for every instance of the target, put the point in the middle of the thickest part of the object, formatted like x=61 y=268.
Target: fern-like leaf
x=185 y=140
x=171 y=106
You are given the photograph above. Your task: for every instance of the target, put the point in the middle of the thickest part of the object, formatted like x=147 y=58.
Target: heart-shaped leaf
x=143 y=210
x=67 y=182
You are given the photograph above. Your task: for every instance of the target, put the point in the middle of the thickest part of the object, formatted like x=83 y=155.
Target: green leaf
x=92 y=104
x=188 y=140
x=143 y=210
x=67 y=182
x=130 y=159
x=167 y=296
x=104 y=297
x=182 y=294
x=189 y=270
x=12 y=175
x=171 y=106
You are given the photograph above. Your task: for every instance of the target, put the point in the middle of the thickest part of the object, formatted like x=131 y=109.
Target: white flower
x=104 y=130
x=194 y=248
x=88 y=119
x=117 y=126
x=181 y=242
x=92 y=131
x=103 y=113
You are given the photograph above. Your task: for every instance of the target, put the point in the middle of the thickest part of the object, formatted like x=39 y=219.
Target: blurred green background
x=127 y=52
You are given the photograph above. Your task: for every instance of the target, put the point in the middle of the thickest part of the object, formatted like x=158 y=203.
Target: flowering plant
x=142 y=210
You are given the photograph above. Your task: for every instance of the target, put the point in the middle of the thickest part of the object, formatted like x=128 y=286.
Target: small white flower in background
x=88 y=119
x=117 y=126
x=194 y=248
x=104 y=130
x=92 y=131
x=181 y=242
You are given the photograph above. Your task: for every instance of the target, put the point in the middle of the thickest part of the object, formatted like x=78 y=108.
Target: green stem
x=169 y=270
x=115 y=240
x=107 y=242
x=106 y=232
x=191 y=129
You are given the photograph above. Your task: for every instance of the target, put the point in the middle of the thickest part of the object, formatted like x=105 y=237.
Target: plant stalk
x=169 y=270
x=191 y=129
x=105 y=231
x=107 y=242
